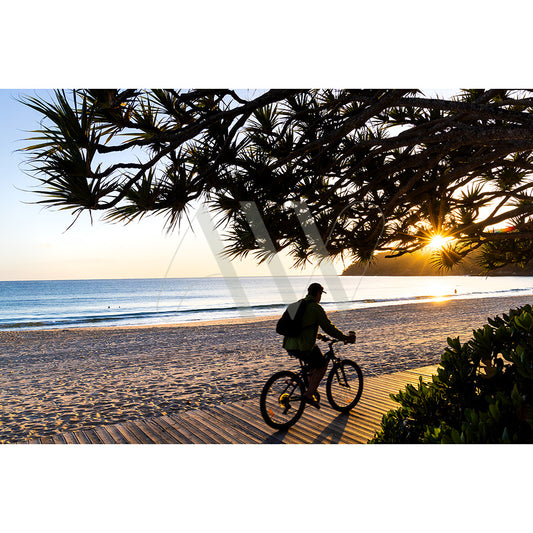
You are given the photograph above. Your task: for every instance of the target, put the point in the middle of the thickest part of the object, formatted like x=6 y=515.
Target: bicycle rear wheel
x=344 y=385
x=281 y=400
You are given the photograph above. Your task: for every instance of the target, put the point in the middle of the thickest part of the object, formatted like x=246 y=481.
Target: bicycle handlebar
x=327 y=339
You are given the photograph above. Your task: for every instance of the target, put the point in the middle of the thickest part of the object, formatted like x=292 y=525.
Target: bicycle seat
x=304 y=364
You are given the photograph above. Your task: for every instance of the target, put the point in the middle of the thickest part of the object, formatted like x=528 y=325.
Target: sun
x=437 y=242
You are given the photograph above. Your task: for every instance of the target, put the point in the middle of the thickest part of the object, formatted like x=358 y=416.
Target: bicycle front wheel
x=344 y=385
x=281 y=400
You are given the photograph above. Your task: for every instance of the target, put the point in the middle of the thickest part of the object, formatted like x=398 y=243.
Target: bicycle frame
x=330 y=356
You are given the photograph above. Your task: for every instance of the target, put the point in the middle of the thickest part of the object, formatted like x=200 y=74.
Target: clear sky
x=35 y=243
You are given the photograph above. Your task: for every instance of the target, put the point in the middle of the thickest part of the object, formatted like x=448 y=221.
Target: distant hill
x=418 y=264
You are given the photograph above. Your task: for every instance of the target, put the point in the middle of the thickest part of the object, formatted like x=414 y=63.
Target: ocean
x=27 y=305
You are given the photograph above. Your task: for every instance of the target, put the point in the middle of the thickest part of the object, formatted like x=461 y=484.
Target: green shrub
x=482 y=393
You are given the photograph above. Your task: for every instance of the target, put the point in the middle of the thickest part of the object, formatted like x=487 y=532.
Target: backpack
x=290 y=323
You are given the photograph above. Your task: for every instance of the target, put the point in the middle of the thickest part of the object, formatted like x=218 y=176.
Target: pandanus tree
x=382 y=170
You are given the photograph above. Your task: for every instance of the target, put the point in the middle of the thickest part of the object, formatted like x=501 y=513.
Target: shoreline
x=266 y=318
x=58 y=380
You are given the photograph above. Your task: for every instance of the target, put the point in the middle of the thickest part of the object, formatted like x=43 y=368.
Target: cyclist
x=304 y=345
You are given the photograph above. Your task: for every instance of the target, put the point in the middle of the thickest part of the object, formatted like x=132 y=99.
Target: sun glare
x=438 y=241
x=439 y=292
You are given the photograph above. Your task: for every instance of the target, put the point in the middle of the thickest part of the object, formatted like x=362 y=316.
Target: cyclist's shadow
x=331 y=434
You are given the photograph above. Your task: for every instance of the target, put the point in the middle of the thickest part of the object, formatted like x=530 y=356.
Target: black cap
x=315 y=288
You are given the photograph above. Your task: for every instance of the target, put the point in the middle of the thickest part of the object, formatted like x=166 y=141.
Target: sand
x=53 y=381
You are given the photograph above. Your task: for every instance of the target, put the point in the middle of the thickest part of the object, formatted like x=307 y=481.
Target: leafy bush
x=482 y=393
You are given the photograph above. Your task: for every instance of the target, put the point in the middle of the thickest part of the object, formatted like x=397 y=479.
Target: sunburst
x=438 y=241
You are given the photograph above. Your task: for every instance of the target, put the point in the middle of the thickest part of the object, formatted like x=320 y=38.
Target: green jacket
x=313 y=317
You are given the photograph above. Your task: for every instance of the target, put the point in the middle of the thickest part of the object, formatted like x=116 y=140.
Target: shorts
x=314 y=358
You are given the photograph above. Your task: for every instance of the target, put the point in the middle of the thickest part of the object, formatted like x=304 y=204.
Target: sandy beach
x=60 y=380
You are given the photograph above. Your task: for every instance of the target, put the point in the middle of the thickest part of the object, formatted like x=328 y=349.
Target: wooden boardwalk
x=241 y=422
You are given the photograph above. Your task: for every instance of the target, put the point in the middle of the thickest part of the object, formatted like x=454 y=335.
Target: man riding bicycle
x=304 y=345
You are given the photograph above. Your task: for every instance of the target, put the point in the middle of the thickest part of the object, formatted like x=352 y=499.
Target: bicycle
x=282 y=402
